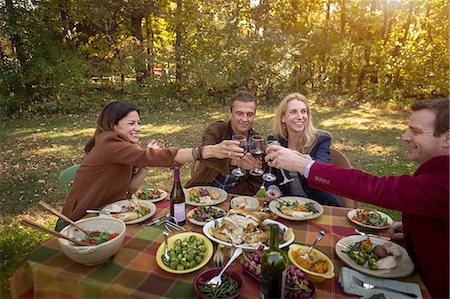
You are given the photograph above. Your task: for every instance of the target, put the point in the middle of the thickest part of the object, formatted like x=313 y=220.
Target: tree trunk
x=401 y=43
x=19 y=50
x=178 y=45
x=341 y=62
x=150 y=46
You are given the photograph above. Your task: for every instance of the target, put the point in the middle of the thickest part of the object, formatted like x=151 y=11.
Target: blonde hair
x=310 y=133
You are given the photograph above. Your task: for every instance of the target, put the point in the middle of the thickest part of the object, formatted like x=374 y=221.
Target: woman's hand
x=156 y=144
x=226 y=149
x=284 y=158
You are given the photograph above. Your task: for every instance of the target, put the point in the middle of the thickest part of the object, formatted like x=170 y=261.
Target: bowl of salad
x=203 y=214
x=104 y=240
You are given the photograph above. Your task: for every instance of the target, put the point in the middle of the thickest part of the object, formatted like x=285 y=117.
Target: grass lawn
x=35 y=151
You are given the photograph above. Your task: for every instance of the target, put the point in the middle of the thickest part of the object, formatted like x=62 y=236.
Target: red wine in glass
x=257 y=149
x=238 y=171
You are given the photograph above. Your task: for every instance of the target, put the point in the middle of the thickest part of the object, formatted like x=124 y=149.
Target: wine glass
x=257 y=147
x=285 y=179
x=238 y=171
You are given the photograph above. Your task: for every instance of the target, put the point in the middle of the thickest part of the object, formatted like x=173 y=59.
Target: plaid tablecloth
x=133 y=272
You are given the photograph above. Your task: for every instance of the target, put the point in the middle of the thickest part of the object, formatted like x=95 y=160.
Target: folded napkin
x=351 y=286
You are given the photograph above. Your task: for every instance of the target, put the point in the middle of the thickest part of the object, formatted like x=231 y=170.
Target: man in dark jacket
x=217 y=173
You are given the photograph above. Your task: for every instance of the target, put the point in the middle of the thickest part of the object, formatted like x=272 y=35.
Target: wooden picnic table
x=134 y=273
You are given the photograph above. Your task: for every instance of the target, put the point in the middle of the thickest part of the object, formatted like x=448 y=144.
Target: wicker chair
x=339 y=159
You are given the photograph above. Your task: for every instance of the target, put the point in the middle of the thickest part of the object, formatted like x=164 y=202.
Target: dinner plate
x=207 y=230
x=222 y=198
x=300 y=200
x=161 y=197
x=117 y=207
x=404 y=266
x=352 y=213
x=198 y=222
x=171 y=240
x=245 y=202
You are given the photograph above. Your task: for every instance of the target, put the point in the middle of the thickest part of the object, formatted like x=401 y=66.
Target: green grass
x=35 y=151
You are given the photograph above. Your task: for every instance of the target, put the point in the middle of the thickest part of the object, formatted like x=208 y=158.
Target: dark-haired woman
x=115 y=164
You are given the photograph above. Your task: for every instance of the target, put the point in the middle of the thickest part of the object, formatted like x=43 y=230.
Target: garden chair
x=67 y=175
x=339 y=159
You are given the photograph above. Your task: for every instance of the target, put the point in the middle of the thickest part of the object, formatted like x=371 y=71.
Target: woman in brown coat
x=116 y=165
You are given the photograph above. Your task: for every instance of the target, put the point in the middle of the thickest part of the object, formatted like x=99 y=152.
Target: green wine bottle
x=273 y=268
x=177 y=199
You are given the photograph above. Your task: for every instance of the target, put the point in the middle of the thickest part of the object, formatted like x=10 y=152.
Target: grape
x=297 y=286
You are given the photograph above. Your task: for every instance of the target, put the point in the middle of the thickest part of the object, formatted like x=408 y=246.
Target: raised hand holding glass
x=285 y=179
x=238 y=171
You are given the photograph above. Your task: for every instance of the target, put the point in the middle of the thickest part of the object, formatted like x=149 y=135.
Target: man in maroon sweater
x=423 y=197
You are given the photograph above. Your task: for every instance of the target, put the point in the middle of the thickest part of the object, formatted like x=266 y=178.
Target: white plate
x=197 y=222
x=117 y=207
x=161 y=197
x=245 y=202
x=352 y=214
x=300 y=200
x=211 y=225
x=404 y=264
x=222 y=198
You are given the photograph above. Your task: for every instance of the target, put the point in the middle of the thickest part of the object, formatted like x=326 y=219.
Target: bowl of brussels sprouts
x=188 y=252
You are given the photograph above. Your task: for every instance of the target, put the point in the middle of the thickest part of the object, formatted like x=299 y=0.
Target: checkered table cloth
x=133 y=272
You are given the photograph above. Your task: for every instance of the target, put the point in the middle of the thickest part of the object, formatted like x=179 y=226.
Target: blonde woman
x=294 y=129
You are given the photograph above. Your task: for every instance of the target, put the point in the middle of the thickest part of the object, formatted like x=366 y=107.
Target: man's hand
x=272 y=194
x=285 y=158
x=396 y=232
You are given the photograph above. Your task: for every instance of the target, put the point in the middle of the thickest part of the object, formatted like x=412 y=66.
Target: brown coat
x=106 y=172
x=209 y=169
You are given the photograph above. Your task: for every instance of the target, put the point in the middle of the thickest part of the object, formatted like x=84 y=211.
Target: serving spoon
x=166 y=257
x=62 y=216
x=217 y=280
x=319 y=236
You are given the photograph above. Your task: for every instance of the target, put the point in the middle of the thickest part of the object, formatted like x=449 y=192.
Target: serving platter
x=171 y=240
x=208 y=227
x=352 y=214
x=191 y=219
x=247 y=203
x=118 y=205
x=163 y=195
x=300 y=200
x=223 y=196
x=404 y=266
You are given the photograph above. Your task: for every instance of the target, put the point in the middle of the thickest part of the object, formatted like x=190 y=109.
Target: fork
x=368 y=286
x=218 y=256
x=371 y=235
x=217 y=280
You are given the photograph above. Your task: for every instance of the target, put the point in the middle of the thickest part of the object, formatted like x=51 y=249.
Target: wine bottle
x=177 y=199
x=273 y=268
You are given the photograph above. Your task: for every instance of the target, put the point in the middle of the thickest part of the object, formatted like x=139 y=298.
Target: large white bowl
x=95 y=254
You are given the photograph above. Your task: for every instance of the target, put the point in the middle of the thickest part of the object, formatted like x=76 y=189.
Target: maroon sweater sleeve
x=425 y=193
